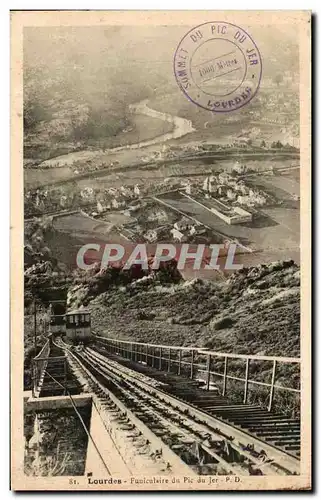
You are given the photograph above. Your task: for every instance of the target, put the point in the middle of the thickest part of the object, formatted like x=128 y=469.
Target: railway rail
x=204 y=434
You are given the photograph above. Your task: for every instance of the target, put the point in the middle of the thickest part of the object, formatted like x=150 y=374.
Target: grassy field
x=277 y=228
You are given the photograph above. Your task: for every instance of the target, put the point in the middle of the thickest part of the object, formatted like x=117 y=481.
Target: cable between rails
x=109 y=433
x=82 y=422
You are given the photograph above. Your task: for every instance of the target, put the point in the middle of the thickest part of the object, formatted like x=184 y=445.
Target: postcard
x=160 y=250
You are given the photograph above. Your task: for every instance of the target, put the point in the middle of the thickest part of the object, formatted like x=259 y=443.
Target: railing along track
x=168 y=415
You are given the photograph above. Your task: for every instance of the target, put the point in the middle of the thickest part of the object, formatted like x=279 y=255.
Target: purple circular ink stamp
x=218 y=66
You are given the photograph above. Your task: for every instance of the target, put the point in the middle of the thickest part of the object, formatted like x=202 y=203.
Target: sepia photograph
x=160 y=335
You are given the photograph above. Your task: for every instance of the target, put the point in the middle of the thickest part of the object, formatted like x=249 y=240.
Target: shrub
x=223 y=323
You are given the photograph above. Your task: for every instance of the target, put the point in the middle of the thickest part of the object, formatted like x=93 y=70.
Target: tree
x=276 y=145
x=278 y=79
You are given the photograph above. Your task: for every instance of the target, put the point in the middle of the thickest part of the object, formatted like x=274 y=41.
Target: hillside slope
x=257 y=310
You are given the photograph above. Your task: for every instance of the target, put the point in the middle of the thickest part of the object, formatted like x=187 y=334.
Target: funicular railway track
x=206 y=435
x=275 y=429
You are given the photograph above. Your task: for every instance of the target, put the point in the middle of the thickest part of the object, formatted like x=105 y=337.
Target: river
x=182 y=127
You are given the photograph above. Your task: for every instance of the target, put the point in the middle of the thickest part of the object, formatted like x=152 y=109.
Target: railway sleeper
x=211 y=399
x=262 y=420
x=293 y=447
x=278 y=433
x=284 y=442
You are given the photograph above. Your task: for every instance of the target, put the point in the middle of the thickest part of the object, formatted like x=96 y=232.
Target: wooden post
x=146 y=354
x=169 y=360
x=33 y=378
x=160 y=358
x=65 y=378
x=246 y=380
x=224 y=378
x=153 y=357
x=35 y=325
x=192 y=365
x=272 y=386
x=208 y=372
x=179 y=361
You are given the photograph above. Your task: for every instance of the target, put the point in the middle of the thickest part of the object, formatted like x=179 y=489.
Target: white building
x=114 y=203
x=100 y=208
x=231 y=215
x=206 y=184
x=177 y=235
x=231 y=194
x=151 y=235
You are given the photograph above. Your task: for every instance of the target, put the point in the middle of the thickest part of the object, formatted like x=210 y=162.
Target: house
x=206 y=184
x=177 y=235
x=151 y=235
x=87 y=194
x=222 y=190
x=241 y=187
x=125 y=191
x=100 y=208
x=63 y=201
x=239 y=168
x=157 y=215
x=116 y=203
x=224 y=177
x=182 y=225
x=231 y=194
x=244 y=200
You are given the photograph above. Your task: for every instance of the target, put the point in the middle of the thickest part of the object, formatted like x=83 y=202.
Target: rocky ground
x=257 y=310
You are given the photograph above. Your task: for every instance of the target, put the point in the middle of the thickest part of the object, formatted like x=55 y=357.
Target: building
x=206 y=184
x=158 y=215
x=87 y=194
x=125 y=191
x=114 y=203
x=151 y=235
x=239 y=168
x=100 y=208
x=183 y=224
x=230 y=215
x=188 y=187
x=177 y=235
x=231 y=194
x=224 y=177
